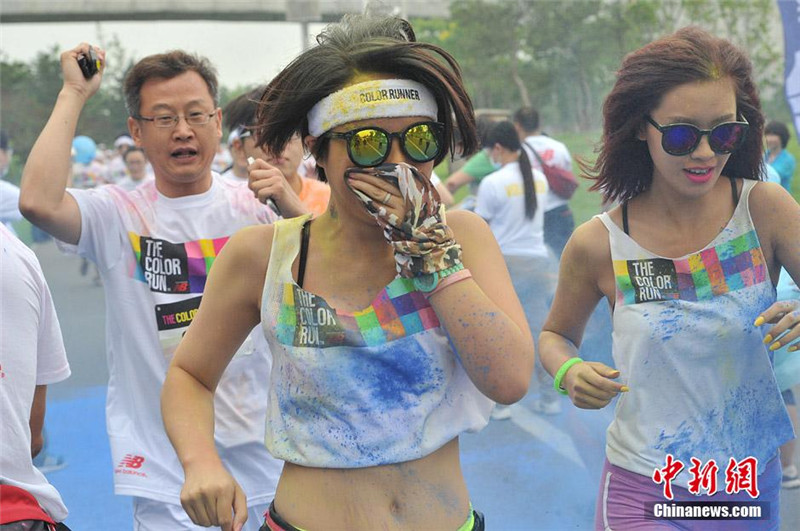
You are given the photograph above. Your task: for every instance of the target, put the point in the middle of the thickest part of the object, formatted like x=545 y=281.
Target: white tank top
x=378 y=386
x=701 y=379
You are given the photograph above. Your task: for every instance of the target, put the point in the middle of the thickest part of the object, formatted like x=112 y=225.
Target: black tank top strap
x=625 y=218
x=735 y=192
x=301 y=269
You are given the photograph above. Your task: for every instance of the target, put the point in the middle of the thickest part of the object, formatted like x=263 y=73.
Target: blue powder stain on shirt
x=747 y=424
x=397 y=376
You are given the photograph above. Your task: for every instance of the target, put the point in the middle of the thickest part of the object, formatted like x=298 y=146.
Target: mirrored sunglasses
x=370 y=146
x=682 y=139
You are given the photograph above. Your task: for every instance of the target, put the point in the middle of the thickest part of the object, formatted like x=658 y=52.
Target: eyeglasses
x=682 y=139
x=171 y=120
x=370 y=146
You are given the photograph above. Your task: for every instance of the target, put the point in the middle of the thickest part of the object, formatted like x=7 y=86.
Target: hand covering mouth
x=183 y=153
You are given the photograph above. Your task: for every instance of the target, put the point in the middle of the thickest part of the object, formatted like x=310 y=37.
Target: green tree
x=561 y=56
x=557 y=56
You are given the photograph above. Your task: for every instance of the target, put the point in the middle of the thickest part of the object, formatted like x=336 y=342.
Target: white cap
x=123 y=140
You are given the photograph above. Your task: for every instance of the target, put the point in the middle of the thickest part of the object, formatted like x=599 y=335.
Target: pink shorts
x=623 y=495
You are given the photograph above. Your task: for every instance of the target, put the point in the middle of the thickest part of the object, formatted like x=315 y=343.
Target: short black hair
x=240 y=112
x=133 y=149
x=527 y=118
x=779 y=129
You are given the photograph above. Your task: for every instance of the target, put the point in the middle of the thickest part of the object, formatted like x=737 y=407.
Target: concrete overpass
x=17 y=11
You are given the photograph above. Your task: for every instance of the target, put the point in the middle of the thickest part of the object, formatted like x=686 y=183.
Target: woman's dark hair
x=624 y=168
x=356 y=46
x=240 y=112
x=483 y=125
x=505 y=134
x=780 y=130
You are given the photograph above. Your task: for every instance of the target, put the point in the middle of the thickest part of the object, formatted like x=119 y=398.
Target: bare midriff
x=427 y=493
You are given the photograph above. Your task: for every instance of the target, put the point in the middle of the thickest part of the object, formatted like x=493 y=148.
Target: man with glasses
x=153 y=247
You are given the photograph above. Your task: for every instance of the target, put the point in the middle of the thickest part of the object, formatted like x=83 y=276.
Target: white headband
x=377 y=98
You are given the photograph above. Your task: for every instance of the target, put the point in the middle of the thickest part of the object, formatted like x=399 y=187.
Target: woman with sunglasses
x=687 y=263
x=392 y=328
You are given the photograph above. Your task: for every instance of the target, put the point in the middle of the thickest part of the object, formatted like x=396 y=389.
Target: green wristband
x=561 y=372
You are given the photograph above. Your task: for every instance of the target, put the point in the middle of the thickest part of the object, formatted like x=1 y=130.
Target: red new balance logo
x=131 y=461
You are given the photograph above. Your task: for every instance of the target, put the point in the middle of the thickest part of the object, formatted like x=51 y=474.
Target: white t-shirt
x=232 y=177
x=553 y=152
x=31 y=353
x=501 y=202
x=126 y=183
x=153 y=253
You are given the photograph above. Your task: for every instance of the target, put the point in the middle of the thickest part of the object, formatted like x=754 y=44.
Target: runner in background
x=510 y=199
x=558 y=219
x=240 y=116
x=138 y=169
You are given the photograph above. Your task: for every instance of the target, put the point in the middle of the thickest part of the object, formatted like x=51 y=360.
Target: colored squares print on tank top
x=730 y=266
x=306 y=320
x=174 y=267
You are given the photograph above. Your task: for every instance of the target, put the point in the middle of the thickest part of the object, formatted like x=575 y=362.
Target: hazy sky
x=245 y=53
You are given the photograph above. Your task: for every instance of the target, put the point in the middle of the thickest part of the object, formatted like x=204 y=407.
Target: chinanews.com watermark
x=708 y=510
x=740 y=476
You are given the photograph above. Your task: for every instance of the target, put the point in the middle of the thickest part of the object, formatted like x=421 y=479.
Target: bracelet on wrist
x=452 y=278
x=427 y=283
x=562 y=371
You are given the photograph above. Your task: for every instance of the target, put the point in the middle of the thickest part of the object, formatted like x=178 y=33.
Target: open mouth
x=183 y=153
x=699 y=175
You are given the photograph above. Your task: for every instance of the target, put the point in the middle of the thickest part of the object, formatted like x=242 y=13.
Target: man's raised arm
x=43 y=198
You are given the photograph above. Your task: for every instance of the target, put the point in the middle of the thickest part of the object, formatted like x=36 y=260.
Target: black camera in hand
x=89 y=63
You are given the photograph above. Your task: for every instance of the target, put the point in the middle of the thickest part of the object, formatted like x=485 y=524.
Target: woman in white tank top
x=392 y=329
x=687 y=263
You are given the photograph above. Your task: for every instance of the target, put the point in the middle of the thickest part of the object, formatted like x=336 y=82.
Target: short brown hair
x=624 y=167
x=166 y=66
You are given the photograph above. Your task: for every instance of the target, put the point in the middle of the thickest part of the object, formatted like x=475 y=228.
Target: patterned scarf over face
x=422 y=241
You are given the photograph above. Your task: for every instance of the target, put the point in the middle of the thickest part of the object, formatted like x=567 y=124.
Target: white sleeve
x=564 y=158
x=100 y=239
x=51 y=358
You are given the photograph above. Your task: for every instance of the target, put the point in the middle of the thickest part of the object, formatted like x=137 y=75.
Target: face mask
x=496 y=165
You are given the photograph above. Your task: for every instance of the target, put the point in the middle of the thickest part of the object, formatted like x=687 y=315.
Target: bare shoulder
x=467 y=225
x=249 y=249
x=769 y=202
x=586 y=261
x=776 y=217
x=589 y=243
